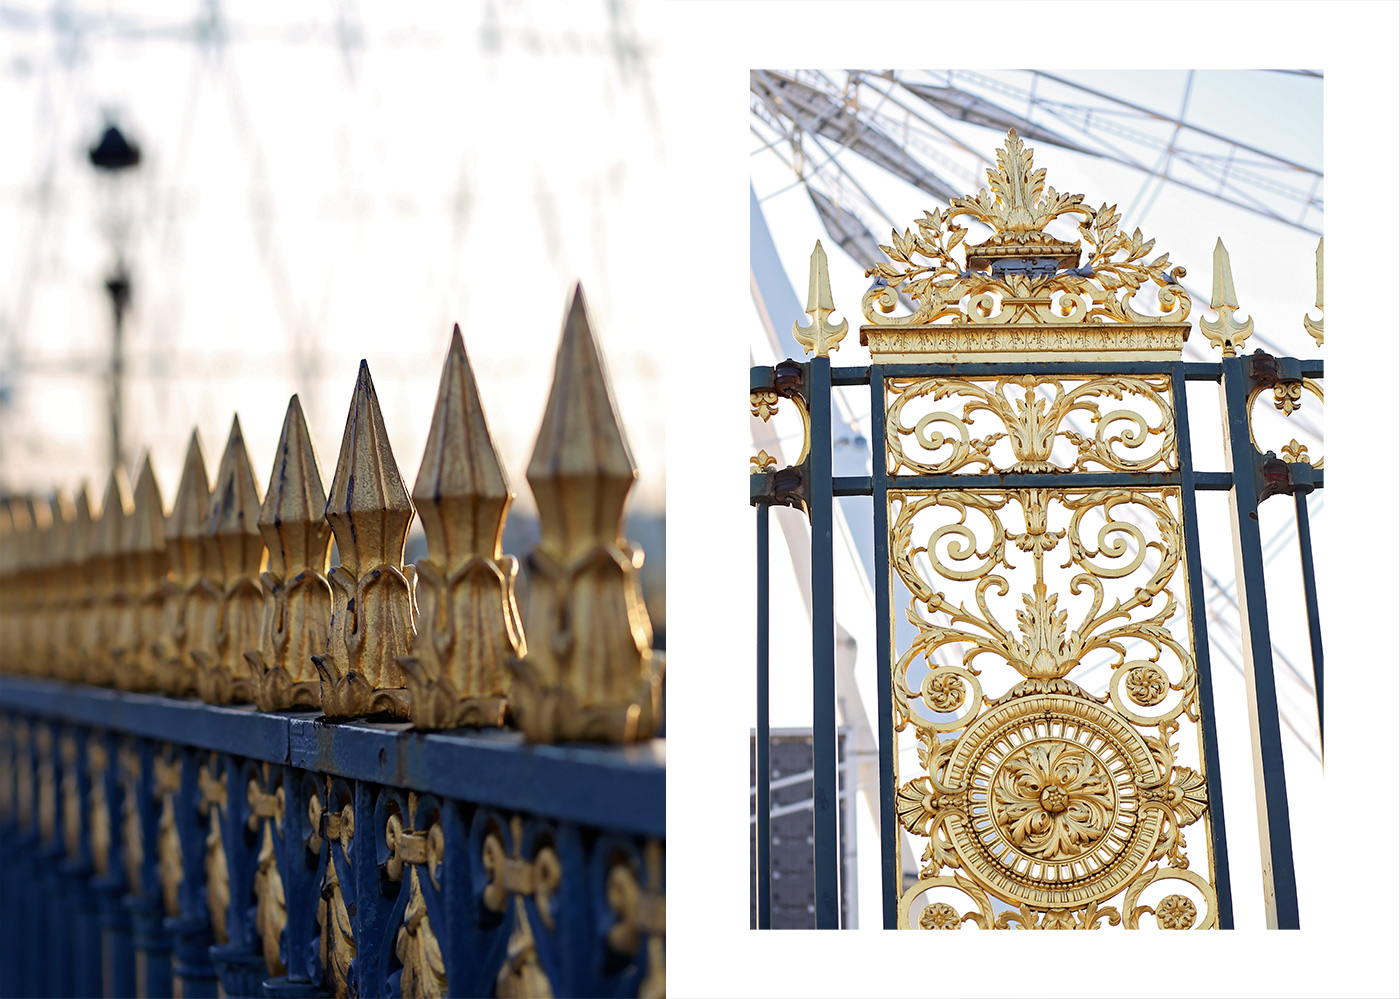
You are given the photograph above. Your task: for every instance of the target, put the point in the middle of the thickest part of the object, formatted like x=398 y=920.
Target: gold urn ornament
x=470 y=626
x=372 y=591
x=589 y=672
x=296 y=593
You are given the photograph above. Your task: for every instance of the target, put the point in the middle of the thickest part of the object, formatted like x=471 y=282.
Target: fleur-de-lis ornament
x=1223 y=330
x=820 y=337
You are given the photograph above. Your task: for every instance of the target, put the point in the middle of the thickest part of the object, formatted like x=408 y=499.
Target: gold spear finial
x=1314 y=326
x=143 y=548
x=58 y=624
x=234 y=505
x=589 y=672
x=111 y=592
x=820 y=336
x=81 y=587
x=296 y=593
x=369 y=511
x=21 y=522
x=191 y=591
x=9 y=591
x=38 y=561
x=456 y=674
x=1224 y=331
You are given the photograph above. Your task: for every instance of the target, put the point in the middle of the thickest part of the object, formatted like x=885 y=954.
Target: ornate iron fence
x=343 y=834
x=1035 y=513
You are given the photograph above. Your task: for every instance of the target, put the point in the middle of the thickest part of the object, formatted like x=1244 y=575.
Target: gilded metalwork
x=510 y=879
x=641 y=912
x=191 y=594
x=224 y=677
x=1224 y=331
x=73 y=590
x=764 y=405
x=296 y=610
x=372 y=591
x=1288 y=399
x=1026 y=423
x=133 y=844
x=337 y=946
x=99 y=812
x=510 y=874
x=456 y=674
x=110 y=592
x=415 y=944
x=1022 y=290
x=819 y=337
x=1311 y=325
x=143 y=554
x=170 y=867
x=1054 y=796
x=761 y=462
x=213 y=800
x=46 y=798
x=590 y=672
x=267 y=812
x=70 y=792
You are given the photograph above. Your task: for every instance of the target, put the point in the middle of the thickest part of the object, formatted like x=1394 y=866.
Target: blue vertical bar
x=763 y=769
x=884 y=638
x=1305 y=553
x=1271 y=790
x=826 y=834
x=1200 y=639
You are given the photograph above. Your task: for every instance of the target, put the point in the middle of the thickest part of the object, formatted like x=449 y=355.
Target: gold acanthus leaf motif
x=1018 y=207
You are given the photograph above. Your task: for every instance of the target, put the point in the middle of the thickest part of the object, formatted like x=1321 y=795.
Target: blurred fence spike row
x=470 y=625
x=589 y=672
x=296 y=613
x=372 y=609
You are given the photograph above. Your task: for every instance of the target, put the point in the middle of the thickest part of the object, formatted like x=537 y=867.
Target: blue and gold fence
x=427 y=795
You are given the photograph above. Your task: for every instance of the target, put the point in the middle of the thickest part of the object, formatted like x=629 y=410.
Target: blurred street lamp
x=114 y=156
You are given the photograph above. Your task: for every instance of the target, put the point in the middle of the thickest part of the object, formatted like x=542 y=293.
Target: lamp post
x=112 y=156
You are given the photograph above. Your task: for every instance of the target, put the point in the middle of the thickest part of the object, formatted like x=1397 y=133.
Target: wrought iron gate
x=1035 y=522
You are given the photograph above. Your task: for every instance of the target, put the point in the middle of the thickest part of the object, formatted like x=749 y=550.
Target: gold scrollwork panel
x=1051 y=698
x=1029 y=423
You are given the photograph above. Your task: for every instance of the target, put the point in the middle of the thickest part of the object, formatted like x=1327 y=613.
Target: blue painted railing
x=533 y=864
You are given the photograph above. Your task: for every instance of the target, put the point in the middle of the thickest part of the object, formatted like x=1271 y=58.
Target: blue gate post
x=1266 y=741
